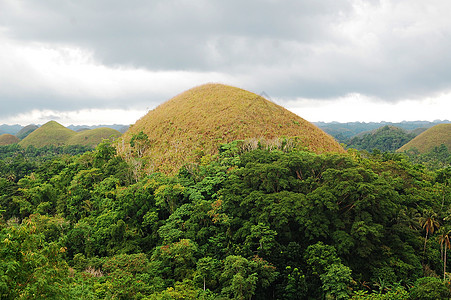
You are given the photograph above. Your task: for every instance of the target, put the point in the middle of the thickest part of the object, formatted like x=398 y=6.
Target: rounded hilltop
x=53 y=133
x=197 y=121
x=92 y=137
x=429 y=139
x=8 y=139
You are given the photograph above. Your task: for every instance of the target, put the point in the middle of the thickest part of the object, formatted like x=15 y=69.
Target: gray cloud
x=311 y=49
x=168 y=34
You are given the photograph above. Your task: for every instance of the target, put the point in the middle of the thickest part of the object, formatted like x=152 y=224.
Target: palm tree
x=409 y=217
x=430 y=224
x=445 y=241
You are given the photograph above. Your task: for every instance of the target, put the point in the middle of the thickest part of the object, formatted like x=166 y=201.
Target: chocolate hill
x=53 y=133
x=8 y=139
x=92 y=137
x=433 y=137
x=197 y=121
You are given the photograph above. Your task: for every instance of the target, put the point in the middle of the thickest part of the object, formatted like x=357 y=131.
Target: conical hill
x=51 y=133
x=197 y=121
x=8 y=139
x=427 y=140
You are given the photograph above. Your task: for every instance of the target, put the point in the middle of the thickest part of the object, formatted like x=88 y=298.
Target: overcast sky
x=110 y=61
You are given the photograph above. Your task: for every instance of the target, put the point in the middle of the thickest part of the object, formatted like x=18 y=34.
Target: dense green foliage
x=16 y=161
x=386 y=138
x=438 y=158
x=254 y=224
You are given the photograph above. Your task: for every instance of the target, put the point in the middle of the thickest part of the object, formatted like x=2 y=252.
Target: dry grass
x=93 y=272
x=8 y=139
x=93 y=137
x=426 y=141
x=195 y=122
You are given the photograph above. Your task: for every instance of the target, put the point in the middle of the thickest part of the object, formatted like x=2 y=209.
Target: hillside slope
x=196 y=121
x=92 y=137
x=385 y=138
x=51 y=133
x=8 y=139
x=433 y=137
x=24 y=132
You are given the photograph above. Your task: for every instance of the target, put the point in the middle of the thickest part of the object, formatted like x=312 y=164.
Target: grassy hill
x=433 y=137
x=7 y=139
x=92 y=137
x=196 y=121
x=385 y=138
x=24 y=132
x=51 y=133
x=342 y=132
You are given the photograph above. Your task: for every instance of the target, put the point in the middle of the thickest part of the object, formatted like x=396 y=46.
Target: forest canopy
x=247 y=223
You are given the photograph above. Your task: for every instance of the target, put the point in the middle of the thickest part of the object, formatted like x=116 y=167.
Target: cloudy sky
x=110 y=61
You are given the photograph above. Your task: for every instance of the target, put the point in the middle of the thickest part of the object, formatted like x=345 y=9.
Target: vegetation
x=247 y=223
x=431 y=138
x=343 y=132
x=24 y=132
x=92 y=137
x=196 y=122
x=386 y=139
x=54 y=134
x=7 y=139
x=51 y=133
x=438 y=158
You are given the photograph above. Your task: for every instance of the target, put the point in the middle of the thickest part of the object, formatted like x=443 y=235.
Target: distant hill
x=387 y=138
x=8 y=139
x=119 y=127
x=418 y=131
x=51 y=133
x=92 y=137
x=25 y=131
x=11 y=129
x=344 y=131
x=197 y=121
x=433 y=137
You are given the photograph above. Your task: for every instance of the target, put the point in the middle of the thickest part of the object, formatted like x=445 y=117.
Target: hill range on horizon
x=339 y=130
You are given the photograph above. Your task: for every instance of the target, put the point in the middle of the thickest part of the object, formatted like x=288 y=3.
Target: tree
x=241 y=277
x=31 y=261
x=207 y=269
x=445 y=243
x=429 y=224
x=238 y=278
x=140 y=143
x=429 y=288
x=336 y=281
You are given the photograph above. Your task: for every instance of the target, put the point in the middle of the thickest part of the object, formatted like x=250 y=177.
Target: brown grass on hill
x=8 y=139
x=197 y=121
x=427 y=140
